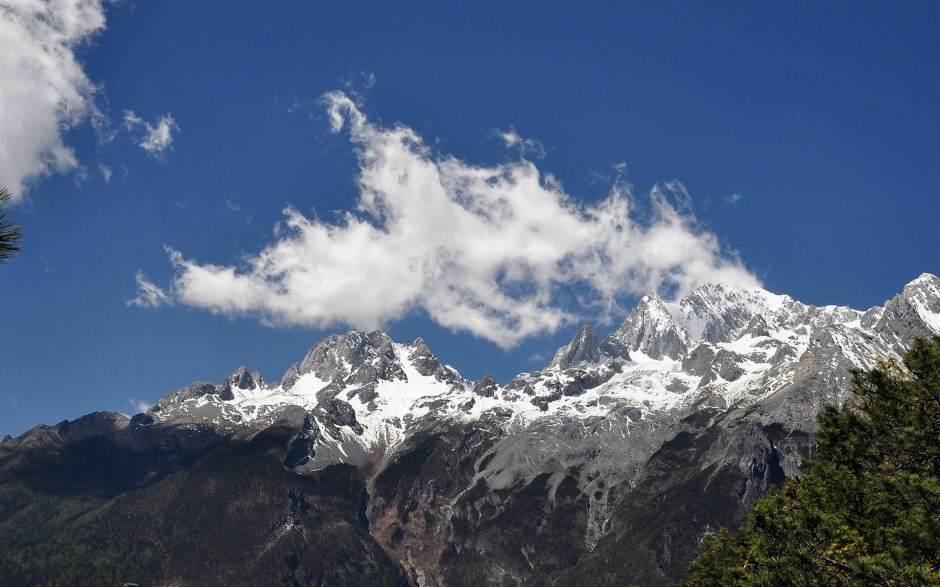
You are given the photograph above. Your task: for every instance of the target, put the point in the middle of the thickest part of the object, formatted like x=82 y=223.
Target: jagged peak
x=334 y=357
x=718 y=312
x=756 y=327
x=583 y=348
x=692 y=332
x=486 y=387
x=913 y=312
x=650 y=309
x=925 y=285
x=924 y=278
x=422 y=359
x=650 y=329
x=418 y=347
x=244 y=379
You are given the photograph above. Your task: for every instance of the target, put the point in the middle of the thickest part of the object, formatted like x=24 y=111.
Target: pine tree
x=10 y=234
x=867 y=510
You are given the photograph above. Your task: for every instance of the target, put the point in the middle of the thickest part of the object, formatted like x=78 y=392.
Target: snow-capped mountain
x=721 y=348
x=623 y=448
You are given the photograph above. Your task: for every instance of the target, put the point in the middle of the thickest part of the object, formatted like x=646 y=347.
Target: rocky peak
x=756 y=327
x=176 y=398
x=582 y=349
x=649 y=329
x=427 y=364
x=718 y=313
x=240 y=379
x=93 y=424
x=422 y=358
x=290 y=376
x=928 y=280
x=487 y=387
x=924 y=294
x=243 y=379
x=912 y=313
x=354 y=357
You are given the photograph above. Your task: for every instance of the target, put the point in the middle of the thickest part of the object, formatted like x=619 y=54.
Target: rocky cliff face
x=606 y=467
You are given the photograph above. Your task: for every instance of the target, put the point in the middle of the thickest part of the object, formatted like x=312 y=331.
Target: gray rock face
x=725 y=365
x=422 y=358
x=355 y=357
x=905 y=317
x=291 y=376
x=91 y=425
x=649 y=329
x=337 y=413
x=301 y=448
x=582 y=349
x=721 y=311
x=427 y=364
x=697 y=362
x=486 y=387
x=757 y=327
x=191 y=391
x=240 y=379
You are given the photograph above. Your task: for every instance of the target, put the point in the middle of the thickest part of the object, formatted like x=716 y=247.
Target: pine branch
x=11 y=235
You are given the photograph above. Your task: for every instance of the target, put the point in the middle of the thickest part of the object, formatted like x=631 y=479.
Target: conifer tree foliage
x=10 y=233
x=867 y=510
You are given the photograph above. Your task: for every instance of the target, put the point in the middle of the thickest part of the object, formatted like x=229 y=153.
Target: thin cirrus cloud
x=156 y=139
x=501 y=252
x=149 y=295
x=43 y=89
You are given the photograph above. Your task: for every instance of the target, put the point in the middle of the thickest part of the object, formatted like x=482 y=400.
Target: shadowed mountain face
x=371 y=463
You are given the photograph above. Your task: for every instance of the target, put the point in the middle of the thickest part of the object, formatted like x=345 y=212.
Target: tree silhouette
x=10 y=234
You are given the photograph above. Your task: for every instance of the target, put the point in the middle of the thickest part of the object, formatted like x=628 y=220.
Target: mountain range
x=372 y=463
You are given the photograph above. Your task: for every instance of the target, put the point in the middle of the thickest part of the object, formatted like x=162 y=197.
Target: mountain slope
x=607 y=466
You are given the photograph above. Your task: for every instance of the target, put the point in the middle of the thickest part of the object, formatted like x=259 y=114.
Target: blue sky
x=793 y=144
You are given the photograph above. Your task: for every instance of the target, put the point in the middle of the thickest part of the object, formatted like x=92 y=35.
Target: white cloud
x=139 y=406
x=501 y=252
x=148 y=294
x=43 y=89
x=155 y=139
x=733 y=198
x=106 y=172
x=526 y=147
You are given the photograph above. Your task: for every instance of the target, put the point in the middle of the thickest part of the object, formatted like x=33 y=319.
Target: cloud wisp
x=44 y=90
x=501 y=251
x=149 y=295
x=156 y=139
x=530 y=148
x=139 y=406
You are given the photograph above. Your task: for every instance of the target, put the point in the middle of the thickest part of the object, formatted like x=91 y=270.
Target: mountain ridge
x=617 y=456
